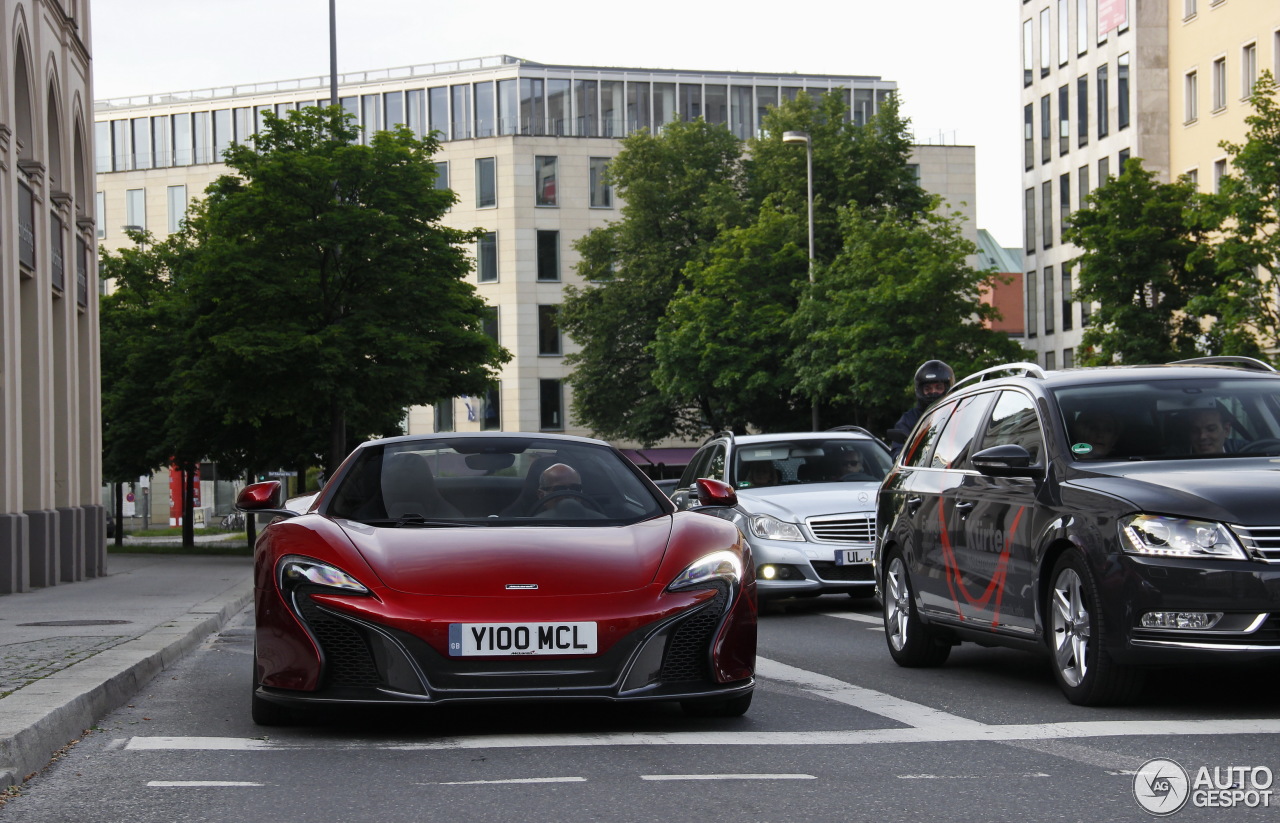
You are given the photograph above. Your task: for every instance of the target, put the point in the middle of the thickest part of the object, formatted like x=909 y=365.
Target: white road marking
x=196 y=784
x=234 y=744
x=727 y=777
x=965 y=776
x=861 y=618
x=512 y=780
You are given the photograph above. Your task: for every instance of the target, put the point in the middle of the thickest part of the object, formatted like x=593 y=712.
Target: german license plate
x=514 y=639
x=850 y=557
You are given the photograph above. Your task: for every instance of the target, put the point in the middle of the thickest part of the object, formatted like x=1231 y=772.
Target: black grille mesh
x=348 y=661
x=688 y=656
x=828 y=570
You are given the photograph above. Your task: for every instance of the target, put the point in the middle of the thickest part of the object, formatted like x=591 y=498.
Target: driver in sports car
x=560 y=495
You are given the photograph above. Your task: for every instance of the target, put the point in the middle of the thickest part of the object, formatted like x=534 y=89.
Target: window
x=549 y=330
x=1064 y=120
x=1045 y=43
x=1082 y=184
x=1046 y=129
x=544 y=176
x=135 y=208
x=102 y=147
x=438 y=111
x=586 y=98
x=1068 y=358
x=487 y=258
x=1028 y=136
x=1219 y=172
x=442 y=174
x=1122 y=91
x=1014 y=422
x=533 y=105
x=1028 y=53
x=444 y=416
x=1188 y=9
x=1248 y=70
x=177 y=207
x=1050 y=360
x=161 y=144
x=484 y=103
x=491 y=410
x=1033 y=305
x=1048 y=301
x=182 y=142
x=1082 y=110
x=460 y=113
x=100 y=213
x=954 y=445
x=1064 y=202
x=489 y=323
x=1104 y=170
x=486 y=183
x=1190 y=96
x=1103 y=97
x=1029 y=220
x=370 y=114
x=550 y=405
x=548 y=255
x=202 y=132
x=601 y=192
x=1193 y=177
x=508 y=107
x=1220 y=84
x=1121 y=160
x=141 y=143
x=1082 y=26
x=1064 y=33
x=917 y=452
x=1046 y=207
x=1067 y=314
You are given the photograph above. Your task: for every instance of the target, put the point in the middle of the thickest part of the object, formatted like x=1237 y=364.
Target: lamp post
x=803 y=137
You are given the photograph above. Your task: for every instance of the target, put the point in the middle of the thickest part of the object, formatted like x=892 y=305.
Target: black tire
x=730 y=707
x=911 y=643
x=266 y=713
x=1077 y=636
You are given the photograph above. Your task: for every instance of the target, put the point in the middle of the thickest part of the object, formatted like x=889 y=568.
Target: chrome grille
x=1261 y=542
x=843 y=528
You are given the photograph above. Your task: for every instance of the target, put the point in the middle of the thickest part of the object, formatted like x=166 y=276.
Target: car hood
x=1244 y=490
x=478 y=562
x=795 y=503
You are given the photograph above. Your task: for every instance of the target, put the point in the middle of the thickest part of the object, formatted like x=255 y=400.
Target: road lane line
x=200 y=784
x=508 y=781
x=903 y=711
x=727 y=777
x=874 y=619
x=967 y=776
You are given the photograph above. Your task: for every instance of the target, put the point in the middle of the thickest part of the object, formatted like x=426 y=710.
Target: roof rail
x=1239 y=361
x=1006 y=369
x=727 y=433
x=858 y=429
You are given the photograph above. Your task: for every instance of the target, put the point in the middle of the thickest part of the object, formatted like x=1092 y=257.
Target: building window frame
x=550 y=405
x=487 y=258
x=545 y=185
x=548 y=255
x=550 y=343
x=1219 y=83
x=1248 y=69
x=600 y=195
x=486 y=183
x=1190 y=97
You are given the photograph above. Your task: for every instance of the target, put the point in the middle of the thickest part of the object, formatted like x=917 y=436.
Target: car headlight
x=722 y=565
x=771 y=528
x=297 y=571
x=1154 y=535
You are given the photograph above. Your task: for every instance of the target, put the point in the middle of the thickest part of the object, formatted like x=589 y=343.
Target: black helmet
x=933 y=371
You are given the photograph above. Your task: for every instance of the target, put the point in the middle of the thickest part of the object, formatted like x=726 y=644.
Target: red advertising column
x=175 y=493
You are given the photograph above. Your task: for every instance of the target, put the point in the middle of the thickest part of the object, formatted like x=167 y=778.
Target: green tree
x=681 y=189
x=900 y=292
x=1242 y=303
x=325 y=296
x=1144 y=257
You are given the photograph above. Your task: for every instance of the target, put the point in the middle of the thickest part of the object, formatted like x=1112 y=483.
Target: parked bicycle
x=234 y=520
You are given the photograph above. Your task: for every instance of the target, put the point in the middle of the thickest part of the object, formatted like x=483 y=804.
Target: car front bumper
x=801 y=569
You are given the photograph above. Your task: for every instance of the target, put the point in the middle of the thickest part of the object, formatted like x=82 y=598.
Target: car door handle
x=913 y=503
x=964 y=508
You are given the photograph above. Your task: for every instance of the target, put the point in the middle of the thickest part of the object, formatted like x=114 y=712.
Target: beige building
x=523 y=144
x=51 y=517
x=1104 y=80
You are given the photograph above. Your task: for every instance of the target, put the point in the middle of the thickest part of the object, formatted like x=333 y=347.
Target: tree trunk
x=188 y=507
x=117 y=507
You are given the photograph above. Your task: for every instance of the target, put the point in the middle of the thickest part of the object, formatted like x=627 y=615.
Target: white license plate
x=850 y=557
x=502 y=639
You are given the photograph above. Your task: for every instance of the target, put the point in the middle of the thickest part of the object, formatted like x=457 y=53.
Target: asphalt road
x=837 y=732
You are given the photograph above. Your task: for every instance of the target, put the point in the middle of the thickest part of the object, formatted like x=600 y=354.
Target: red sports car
x=499 y=566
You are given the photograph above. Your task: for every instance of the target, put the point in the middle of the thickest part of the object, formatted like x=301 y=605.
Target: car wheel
x=731 y=707
x=911 y=642
x=1077 y=636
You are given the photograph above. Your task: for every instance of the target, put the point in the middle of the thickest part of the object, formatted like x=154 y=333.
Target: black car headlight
x=1158 y=536
x=717 y=566
x=296 y=571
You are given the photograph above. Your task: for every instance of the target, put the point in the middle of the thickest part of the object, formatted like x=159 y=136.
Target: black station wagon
x=1119 y=518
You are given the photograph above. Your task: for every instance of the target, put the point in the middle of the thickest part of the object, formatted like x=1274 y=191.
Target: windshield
x=790 y=462
x=1172 y=419
x=464 y=481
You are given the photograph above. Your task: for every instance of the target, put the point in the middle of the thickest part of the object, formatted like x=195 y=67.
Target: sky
x=956 y=62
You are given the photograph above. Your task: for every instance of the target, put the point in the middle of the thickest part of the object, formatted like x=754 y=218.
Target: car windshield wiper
x=418 y=520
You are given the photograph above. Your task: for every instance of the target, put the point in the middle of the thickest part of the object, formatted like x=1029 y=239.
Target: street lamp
x=803 y=137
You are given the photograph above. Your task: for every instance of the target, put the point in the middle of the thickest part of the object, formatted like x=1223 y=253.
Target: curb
x=43 y=717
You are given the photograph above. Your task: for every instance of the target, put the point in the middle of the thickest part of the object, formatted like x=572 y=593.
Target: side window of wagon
x=1014 y=421
x=955 y=442
x=917 y=452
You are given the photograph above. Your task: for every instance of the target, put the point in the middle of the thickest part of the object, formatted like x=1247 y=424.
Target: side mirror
x=1009 y=460
x=714 y=493
x=263 y=498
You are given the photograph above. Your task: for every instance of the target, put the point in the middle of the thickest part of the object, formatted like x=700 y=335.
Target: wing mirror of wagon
x=263 y=498
x=714 y=493
x=1009 y=460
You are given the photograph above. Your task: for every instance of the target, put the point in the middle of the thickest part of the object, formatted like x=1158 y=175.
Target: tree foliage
x=1145 y=256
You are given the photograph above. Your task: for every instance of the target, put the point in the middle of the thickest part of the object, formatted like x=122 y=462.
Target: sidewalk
x=73 y=652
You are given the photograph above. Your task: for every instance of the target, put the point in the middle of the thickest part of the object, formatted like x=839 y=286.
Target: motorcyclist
x=933 y=379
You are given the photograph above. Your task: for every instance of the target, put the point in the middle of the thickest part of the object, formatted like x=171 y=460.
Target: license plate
x=850 y=557
x=514 y=639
